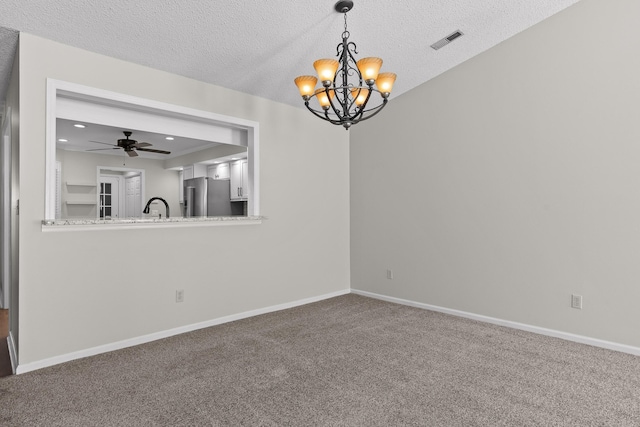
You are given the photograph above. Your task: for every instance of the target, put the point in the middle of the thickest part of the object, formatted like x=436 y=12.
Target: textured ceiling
x=259 y=47
x=8 y=43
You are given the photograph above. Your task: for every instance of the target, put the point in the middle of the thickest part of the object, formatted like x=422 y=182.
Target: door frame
x=103 y=171
x=5 y=205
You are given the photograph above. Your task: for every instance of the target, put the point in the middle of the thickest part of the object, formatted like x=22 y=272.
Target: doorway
x=109 y=204
x=121 y=192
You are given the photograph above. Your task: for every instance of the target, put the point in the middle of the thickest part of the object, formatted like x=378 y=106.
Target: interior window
x=98 y=145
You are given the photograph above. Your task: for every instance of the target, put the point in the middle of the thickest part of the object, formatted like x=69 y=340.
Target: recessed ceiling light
x=169 y=138
x=80 y=126
x=63 y=140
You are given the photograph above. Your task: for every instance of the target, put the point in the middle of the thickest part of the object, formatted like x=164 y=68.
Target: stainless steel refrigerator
x=206 y=197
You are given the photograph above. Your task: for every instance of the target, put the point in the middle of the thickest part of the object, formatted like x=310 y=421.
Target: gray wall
x=512 y=181
x=80 y=289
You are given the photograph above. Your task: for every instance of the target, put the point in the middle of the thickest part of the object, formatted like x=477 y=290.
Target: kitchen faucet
x=166 y=205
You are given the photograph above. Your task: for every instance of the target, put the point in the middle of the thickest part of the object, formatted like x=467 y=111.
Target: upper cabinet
x=187 y=172
x=219 y=171
x=239 y=175
x=194 y=171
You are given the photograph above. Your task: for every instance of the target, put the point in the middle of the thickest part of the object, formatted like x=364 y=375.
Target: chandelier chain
x=345 y=34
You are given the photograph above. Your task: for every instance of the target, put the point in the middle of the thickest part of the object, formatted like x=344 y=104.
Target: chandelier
x=347 y=84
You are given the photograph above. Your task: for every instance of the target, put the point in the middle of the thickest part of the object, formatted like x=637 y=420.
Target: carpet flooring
x=346 y=361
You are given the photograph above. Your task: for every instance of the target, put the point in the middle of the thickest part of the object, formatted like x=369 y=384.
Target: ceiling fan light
x=369 y=68
x=326 y=69
x=385 y=82
x=323 y=99
x=306 y=85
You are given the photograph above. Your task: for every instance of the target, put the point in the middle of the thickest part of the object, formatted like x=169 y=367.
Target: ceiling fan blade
x=102 y=149
x=132 y=153
x=98 y=142
x=141 y=144
x=150 y=150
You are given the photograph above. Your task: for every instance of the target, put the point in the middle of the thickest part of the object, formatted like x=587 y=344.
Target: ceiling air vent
x=445 y=41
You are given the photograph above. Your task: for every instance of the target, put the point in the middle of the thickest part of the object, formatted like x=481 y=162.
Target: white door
x=109 y=198
x=133 y=200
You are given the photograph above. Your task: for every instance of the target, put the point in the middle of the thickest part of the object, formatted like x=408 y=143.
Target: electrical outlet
x=576 y=301
x=389 y=274
x=180 y=295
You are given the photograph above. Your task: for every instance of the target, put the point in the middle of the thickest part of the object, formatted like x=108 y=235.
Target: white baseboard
x=12 y=352
x=515 y=325
x=27 y=367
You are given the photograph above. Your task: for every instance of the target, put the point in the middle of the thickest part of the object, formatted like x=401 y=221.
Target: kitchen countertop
x=114 y=224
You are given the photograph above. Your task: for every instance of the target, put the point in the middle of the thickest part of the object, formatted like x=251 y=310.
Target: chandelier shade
x=347 y=89
x=325 y=97
x=360 y=95
x=385 y=82
x=369 y=68
x=306 y=85
x=326 y=69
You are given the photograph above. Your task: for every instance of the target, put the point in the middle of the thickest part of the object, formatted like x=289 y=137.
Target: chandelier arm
x=348 y=103
x=375 y=110
x=316 y=113
x=333 y=107
x=362 y=115
x=324 y=115
x=360 y=110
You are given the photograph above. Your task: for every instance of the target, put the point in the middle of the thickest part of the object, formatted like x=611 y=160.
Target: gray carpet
x=347 y=361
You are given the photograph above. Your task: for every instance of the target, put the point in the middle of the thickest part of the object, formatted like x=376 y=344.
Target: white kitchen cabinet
x=239 y=176
x=187 y=172
x=194 y=171
x=199 y=169
x=219 y=171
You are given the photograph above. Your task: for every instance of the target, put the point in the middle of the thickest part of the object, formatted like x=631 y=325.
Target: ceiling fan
x=130 y=146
